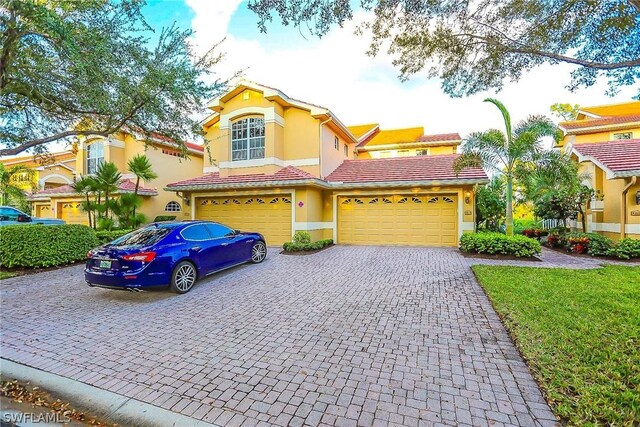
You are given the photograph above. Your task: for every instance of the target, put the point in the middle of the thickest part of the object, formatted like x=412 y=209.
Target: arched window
x=247 y=139
x=95 y=156
x=173 y=207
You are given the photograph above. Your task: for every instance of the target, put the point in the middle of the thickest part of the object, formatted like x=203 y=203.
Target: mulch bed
x=499 y=257
x=298 y=253
x=19 y=271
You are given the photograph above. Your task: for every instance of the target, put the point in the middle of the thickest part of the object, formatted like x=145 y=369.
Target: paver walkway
x=348 y=336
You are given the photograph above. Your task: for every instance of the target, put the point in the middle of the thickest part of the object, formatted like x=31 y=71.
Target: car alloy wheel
x=184 y=277
x=258 y=252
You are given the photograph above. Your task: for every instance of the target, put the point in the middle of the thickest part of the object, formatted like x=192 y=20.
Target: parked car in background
x=13 y=216
x=176 y=254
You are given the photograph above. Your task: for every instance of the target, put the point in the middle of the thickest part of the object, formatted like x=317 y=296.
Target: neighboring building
x=167 y=162
x=374 y=143
x=279 y=165
x=606 y=141
x=49 y=171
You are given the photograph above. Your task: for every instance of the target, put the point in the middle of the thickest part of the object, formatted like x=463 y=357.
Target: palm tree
x=502 y=152
x=8 y=188
x=87 y=186
x=140 y=166
x=107 y=177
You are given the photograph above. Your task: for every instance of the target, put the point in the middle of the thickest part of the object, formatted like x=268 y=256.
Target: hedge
x=35 y=246
x=626 y=249
x=496 y=243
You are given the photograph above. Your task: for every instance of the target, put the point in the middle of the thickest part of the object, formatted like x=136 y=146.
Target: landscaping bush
x=588 y=243
x=302 y=237
x=534 y=232
x=519 y=225
x=35 y=246
x=496 y=243
x=301 y=245
x=626 y=249
x=106 y=236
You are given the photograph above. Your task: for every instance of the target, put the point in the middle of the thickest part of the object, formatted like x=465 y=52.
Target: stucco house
x=167 y=161
x=50 y=171
x=606 y=141
x=277 y=165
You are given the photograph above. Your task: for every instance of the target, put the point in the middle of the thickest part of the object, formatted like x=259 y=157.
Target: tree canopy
x=475 y=46
x=87 y=67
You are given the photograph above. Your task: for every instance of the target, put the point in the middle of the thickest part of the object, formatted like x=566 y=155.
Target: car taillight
x=142 y=257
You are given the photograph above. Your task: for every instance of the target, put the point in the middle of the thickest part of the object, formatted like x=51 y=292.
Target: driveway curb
x=104 y=404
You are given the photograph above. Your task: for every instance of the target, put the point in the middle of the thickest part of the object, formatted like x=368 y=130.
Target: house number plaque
x=635 y=213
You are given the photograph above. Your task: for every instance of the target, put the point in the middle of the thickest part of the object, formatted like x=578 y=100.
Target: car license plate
x=105 y=264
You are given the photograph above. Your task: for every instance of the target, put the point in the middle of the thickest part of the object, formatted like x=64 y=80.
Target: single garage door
x=269 y=215
x=43 y=211
x=72 y=213
x=430 y=220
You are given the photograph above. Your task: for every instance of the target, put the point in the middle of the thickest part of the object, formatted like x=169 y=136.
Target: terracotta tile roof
x=418 y=168
x=289 y=173
x=440 y=137
x=164 y=138
x=394 y=136
x=604 y=121
x=359 y=130
x=125 y=186
x=619 y=157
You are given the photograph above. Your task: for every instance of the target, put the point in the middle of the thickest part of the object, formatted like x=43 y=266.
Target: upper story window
x=247 y=139
x=346 y=150
x=95 y=156
x=336 y=143
x=422 y=152
x=403 y=153
x=622 y=135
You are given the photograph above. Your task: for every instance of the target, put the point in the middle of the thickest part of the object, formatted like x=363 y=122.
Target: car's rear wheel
x=183 y=277
x=258 y=252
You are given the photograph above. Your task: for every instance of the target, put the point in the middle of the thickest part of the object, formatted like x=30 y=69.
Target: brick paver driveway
x=350 y=335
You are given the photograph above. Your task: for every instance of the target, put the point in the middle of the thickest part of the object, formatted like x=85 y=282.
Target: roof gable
x=618 y=159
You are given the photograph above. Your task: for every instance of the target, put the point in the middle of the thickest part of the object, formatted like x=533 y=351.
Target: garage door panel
x=72 y=213
x=268 y=215
x=398 y=220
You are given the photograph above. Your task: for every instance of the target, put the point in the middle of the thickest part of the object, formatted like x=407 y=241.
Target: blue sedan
x=12 y=216
x=175 y=254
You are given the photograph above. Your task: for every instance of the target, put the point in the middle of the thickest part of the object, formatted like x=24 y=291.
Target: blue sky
x=335 y=72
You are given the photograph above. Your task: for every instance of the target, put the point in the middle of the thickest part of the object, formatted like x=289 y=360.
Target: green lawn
x=579 y=331
x=6 y=275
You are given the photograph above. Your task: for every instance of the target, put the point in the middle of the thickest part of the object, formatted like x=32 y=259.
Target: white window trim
x=248 y=140
x=88 y=157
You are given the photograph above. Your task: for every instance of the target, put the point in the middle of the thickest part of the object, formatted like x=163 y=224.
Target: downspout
x=623 y=207
x=320 y=141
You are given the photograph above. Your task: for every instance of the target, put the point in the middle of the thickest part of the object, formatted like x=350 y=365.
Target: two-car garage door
x=420 y=220
x=268 y=215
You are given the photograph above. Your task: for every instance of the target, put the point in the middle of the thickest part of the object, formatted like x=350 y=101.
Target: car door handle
x=196 y=249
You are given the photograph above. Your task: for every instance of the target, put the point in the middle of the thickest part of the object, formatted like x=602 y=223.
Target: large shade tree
x=503 y=152
x=476 y=45
x=89 y=67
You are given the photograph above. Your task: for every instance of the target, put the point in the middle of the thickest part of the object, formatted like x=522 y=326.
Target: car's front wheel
x=258 y=252
x=183 y=277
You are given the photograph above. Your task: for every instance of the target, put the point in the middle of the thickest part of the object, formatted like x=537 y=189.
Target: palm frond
x=505 y=115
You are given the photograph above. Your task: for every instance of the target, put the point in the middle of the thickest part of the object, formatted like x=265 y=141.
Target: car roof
x=178 y=224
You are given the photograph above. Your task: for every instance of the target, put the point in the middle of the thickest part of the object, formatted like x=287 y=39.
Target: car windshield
x=142 y=237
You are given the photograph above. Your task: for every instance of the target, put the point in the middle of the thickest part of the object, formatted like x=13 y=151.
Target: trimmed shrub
x=106 y=236
x=496 y=243
x=534 y=232
x=626 y=249
x=593 y=244
x=310 y=246
x=302 y=237
x=35 y=246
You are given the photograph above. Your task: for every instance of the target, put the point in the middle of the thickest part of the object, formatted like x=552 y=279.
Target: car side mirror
x=24 y=218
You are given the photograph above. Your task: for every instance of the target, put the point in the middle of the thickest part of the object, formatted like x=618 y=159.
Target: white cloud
x=335 y=72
